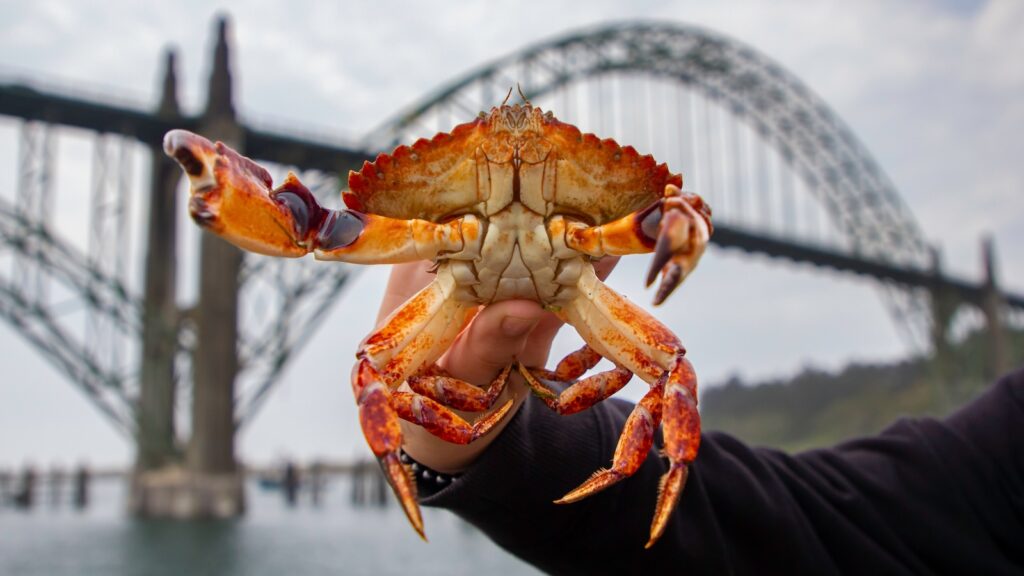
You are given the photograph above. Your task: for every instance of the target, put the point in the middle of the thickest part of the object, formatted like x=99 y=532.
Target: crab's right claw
x=232 y=197
x=683 y=233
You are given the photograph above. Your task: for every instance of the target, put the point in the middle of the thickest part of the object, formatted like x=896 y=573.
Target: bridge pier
x=993 y=306
x=156 y=440
x=210 y=484
x=944 y=303
x=210 y=457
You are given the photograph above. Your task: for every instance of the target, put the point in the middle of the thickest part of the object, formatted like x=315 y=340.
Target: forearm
x=508 y=493
x=924 y=496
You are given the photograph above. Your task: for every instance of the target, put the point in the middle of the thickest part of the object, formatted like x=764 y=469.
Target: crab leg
x=681 y=430
x=630 y=452
x=232 y=197
x=629 y=336
x=574 y=365
x=580 y=395
x=398 y=348
x=676 y=228
x=413 y=336
x=438 y=385
x=440 y=421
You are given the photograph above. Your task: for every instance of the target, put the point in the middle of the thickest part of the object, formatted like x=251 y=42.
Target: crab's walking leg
x=438 y=385
x=676 y=228
x=574 y=365
x=634 y=443
x=579 y=395
x=440 y=421
x=232 y=197
x=681 y=429
x=413 y=336
x=629 y=336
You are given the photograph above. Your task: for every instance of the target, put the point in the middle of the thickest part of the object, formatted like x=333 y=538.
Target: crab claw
x=232 y=197
x=400 y=478
x=683 y=233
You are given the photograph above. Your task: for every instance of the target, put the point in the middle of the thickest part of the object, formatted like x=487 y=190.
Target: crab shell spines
x=448 y=174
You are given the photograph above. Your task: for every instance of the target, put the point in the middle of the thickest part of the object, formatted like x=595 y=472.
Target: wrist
x=427 y=479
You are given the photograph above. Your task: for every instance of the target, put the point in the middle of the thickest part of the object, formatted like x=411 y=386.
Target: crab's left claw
x=682 y=234
x=232 y=196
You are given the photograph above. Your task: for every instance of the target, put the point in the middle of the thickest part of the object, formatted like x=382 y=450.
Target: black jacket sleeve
x=923 y=497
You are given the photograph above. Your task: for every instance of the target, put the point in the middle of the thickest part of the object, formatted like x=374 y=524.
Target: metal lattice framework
x=282 y=302
x=861 y=200
x=57 y=265
x=79 y=309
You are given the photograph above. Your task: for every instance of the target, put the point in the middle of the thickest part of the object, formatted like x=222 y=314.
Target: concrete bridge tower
x=209 y=484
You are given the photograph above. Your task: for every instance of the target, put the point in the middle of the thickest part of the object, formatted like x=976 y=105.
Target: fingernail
x=514 y=326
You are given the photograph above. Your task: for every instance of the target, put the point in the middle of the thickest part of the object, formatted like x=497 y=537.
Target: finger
x=497 y=336
x=407 y=279
x=538 y=345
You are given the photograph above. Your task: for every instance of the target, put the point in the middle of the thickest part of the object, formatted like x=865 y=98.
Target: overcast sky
x=933 y=89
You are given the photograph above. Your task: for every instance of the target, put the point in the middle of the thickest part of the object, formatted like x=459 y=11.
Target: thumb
x=495 y=337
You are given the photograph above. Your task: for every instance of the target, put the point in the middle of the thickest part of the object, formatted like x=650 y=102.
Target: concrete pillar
x=156 y=439
x=992 y=306
x=210 y=456
x=943 y=307
x=210 y=482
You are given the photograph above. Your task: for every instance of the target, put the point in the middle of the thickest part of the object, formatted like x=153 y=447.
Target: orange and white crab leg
x=581 y=394
x=626 y=334
x=435 y=383
x=413 y=336
x=232 y=196
x=676 y=228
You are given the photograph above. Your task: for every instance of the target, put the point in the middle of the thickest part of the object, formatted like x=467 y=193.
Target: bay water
x=272 y=538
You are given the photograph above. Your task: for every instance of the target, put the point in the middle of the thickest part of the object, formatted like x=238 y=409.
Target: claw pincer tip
x=182 y=145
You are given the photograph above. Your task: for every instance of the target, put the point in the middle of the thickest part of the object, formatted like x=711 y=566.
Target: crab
x=513 y=205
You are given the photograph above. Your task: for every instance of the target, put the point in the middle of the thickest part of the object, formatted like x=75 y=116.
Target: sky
x=933 y=90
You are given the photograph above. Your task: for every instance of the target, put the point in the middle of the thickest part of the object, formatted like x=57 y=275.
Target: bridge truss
x=68 y=289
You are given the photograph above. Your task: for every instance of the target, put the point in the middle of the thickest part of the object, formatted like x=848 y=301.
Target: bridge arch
x=860 y=201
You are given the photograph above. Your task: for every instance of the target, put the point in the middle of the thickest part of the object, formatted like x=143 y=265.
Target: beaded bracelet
x=427 y=478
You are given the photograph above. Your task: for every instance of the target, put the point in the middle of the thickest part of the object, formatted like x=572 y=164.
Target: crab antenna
x=507 y=96
x=521 y=95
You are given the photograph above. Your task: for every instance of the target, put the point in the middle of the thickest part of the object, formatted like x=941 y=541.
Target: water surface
x=271 y=539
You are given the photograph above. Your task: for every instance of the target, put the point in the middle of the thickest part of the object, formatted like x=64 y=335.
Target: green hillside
x=818 y=408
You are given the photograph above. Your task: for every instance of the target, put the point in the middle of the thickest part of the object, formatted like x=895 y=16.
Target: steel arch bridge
x=861 y=200
x=752 y=136
x=807 y=137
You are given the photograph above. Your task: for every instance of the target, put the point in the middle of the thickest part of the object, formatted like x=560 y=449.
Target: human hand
x=500 y=333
